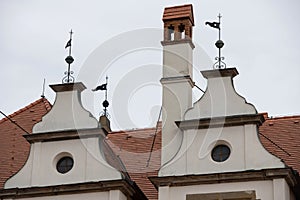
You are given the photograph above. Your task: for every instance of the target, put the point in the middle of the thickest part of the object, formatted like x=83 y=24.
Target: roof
x=179 y=12
x=133 y=147
x=284 y=132
x=14 y=148
x=42 y=101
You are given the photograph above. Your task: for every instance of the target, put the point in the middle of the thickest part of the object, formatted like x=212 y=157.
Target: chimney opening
x=181 y=28
x=171 y=35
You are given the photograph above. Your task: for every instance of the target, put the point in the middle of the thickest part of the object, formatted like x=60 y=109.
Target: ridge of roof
x=43 y=100
x=137 y=129
x=283 y=117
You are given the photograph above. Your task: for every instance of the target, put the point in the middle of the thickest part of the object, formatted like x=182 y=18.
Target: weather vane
x=69 y=59
x=219 y=44
x=105 y=102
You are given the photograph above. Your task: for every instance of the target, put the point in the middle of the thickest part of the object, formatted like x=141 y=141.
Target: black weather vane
x=219 y=44
x=69 y=59
x=105 y=102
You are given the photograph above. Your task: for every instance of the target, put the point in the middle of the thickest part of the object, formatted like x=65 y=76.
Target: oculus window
x=220 y=153
x=65 y=164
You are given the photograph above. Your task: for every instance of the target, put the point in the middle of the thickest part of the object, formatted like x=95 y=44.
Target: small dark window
x=64 y=164
x=220 y=153
x=171 y=33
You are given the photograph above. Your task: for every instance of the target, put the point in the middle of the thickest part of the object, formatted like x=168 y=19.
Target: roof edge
x=47 y=105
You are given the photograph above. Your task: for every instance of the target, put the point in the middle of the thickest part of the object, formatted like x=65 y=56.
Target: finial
x=105 y=103
x=69 y=59
x=219 y=44
x=43 y=92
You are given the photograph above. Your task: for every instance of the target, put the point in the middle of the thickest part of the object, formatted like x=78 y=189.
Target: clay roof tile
x=179 y=12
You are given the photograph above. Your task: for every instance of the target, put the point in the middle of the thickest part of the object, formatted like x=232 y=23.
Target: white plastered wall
x=40 y=168
x=265 y=190
x=177 y=60
x=220 y=99
x=67 y=113
x=194 y=156
x=177 y=94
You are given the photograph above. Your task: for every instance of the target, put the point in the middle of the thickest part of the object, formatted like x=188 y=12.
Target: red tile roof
x=133 y=147
x=179 y=12
x=284 y=132
x=13 y=147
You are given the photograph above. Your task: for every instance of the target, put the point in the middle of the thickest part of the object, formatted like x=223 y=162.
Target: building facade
x=211 y=149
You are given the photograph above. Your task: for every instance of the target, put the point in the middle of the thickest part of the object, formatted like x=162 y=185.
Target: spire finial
x=43 y=92
x=69 y=59
x=105 y=102
x=219 y=44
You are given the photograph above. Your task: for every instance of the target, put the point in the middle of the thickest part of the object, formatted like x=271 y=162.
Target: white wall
x=40 y=168
x=247 y=153
x=67 y=113
x=220 y=99
x=177 y=94
x=265 y=190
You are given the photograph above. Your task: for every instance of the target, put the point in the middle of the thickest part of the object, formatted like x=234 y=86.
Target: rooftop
x=280 y=136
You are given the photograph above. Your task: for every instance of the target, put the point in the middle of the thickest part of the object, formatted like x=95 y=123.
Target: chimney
x=177 y=80
x=67 y=112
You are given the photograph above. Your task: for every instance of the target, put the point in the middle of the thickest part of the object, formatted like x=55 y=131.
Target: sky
x=121 y=40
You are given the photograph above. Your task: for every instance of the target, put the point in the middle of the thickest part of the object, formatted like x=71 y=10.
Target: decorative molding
x=176 y=79
x=181 y=41
x=214 y=122
x=232 y=72
x=129 y=188
x=68 y=87
x=63 y=135
x=266 y=174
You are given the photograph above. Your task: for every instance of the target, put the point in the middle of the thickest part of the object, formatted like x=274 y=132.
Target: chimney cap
x=179 y=12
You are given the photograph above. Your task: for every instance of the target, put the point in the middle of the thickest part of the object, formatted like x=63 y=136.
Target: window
x=64 y=164
x=220 y=153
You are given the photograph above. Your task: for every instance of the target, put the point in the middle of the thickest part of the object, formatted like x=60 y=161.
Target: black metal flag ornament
x=100 y=87
x=69 y=59
x=68 y=43
x=219 y=44
x=213 y=24
x=105 y=102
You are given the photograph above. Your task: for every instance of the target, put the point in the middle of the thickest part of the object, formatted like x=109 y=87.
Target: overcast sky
x=261 y=40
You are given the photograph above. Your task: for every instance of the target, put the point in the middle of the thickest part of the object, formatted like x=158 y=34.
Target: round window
x=220 y=153
x=64 y=164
